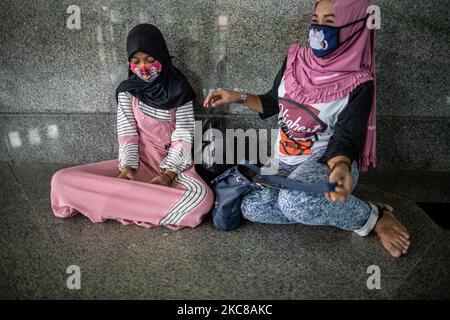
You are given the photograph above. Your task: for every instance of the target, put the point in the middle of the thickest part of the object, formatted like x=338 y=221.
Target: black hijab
x=171 y=88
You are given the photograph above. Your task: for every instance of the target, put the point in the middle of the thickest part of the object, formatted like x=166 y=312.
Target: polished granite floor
x=256 y=261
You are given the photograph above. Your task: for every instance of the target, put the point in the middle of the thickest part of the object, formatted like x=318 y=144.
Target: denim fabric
x=290 y=206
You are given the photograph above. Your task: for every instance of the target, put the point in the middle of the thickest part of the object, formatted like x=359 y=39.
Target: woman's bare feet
x=393 y=235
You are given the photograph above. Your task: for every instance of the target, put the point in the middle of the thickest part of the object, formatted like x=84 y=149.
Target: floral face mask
x=146 y=71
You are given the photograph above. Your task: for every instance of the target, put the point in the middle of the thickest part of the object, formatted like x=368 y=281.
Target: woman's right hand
x=126 y=173
x=221 y=96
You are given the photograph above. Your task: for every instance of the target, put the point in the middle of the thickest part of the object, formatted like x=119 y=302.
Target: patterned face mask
x=146 y=71
x=324 y=39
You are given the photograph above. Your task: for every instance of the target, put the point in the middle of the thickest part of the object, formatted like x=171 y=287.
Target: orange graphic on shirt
x=291 y=147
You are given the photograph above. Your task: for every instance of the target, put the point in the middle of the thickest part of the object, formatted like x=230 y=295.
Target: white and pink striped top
x=179 y=157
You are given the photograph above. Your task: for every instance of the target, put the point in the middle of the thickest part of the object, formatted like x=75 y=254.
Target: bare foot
x=393 y=235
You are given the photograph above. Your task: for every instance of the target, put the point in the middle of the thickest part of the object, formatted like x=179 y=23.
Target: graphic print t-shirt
x=304 y=128
x=338 y=126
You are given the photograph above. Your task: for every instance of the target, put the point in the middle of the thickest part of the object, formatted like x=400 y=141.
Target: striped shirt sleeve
x=127 y=133
x=179 y=157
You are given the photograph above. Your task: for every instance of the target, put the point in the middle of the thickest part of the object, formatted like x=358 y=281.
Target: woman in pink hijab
x=324 y=97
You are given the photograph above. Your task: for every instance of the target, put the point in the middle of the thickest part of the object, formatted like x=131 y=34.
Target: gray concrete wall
x=57 y=85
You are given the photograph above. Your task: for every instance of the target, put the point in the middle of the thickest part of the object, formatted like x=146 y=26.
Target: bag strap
x=289 y=183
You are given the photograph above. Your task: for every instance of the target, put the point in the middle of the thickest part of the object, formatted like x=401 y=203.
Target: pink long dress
x=95 y=190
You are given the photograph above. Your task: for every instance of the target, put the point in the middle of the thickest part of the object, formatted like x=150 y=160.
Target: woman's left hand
x=342 y=177
x=162 y=179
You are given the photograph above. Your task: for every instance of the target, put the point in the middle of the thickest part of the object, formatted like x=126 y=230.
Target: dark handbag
x=230 y=186
x=208 y=169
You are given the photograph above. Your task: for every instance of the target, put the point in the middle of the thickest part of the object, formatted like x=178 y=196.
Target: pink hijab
x=309 y=79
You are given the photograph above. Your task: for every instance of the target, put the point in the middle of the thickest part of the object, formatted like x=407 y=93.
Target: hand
x=342 y=177
x=221 y=96
x=126 y=173
x=162 y=179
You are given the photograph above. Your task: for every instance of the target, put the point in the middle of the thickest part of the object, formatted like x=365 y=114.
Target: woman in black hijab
x=157 y=184
x=170 y=89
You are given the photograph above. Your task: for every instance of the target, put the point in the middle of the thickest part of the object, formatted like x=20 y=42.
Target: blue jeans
x=290 y=206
